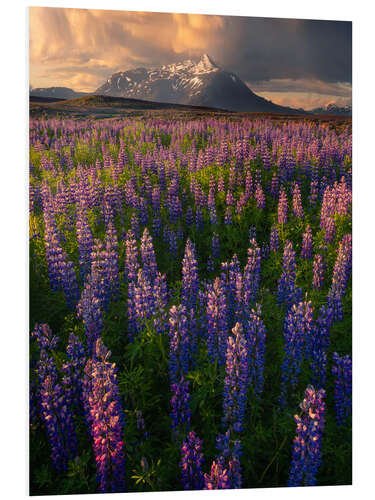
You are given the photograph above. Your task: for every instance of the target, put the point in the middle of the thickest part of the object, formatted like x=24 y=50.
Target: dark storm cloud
x=263 y=49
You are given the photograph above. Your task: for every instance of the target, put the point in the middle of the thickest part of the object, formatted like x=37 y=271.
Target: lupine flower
x=306 y=452
x=255 y=334
x=298 y=325
x=131 y=257
x=218 y=478
x=274 y=238
x=190 y=280
x=179 y=343
x=306 y=251
x=236 y=379
x=341 y=272
x=217 y=326
x=105 y=417
x=89 y=309
x=73 y=370
x=259 y=197
x=297 y=202
x=318 y=272
x=342 y=372
x=229 y=457
x=215 y=246
x=251 y=276
x=191 y=463
x=180 y=412
x=282 y=210
x=148 y=255
x=287 y=292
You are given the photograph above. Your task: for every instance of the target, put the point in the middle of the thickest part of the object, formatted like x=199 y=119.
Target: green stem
x=272 y=461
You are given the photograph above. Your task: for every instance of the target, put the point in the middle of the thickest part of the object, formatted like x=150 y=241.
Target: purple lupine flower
x=73 y=370
x=342 y=372
x=105 y=417
x=274 y=185
x=318 y=272
x=341 y=272
x=134 y=222
x=236 y=379
x=215 y=246
x=89 y=309
x=85 y=241
x=229 y=457
x=306 y=251
x=228 y=217
x=180 y=411
x=255 y=334
x=274 y=238
x=160 y=292
x=298 y=327
x=260 y=197
x=282 y=210
x=190 y=280
x=318 y=366
x=148 y=255
x=251 y=275
x=191 y=463
x=307 y=445
x=58 y=419
x=179 y=343
x=297 y=202
x=287 y=292
x=218 y=478
x=217 y=328
x=131 y=258
x=210 y=264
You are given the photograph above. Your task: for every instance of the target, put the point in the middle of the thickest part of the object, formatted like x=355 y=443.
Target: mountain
x=333 y=109
x=201 y=83
x=58 y=92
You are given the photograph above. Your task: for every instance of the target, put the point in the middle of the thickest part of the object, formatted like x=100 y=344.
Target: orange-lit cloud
x=288 y=61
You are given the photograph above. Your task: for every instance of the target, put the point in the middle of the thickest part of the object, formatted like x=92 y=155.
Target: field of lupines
x=190 y=304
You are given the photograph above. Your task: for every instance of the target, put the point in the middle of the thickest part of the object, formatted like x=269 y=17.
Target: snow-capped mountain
x=333 y=109
x=201 y=83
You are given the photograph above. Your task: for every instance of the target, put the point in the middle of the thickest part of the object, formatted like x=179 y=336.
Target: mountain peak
x=206 y=64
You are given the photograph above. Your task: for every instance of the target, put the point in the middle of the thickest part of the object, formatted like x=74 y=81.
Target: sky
x=299 y=63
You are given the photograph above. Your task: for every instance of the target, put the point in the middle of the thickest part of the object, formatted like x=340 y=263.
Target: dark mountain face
x=200 y=84
x=58 y=92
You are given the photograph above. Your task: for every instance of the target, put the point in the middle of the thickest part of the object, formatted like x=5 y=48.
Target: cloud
x=81 y=48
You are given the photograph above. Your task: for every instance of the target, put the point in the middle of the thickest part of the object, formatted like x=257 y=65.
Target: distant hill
x=58 y=92
x=201 y=83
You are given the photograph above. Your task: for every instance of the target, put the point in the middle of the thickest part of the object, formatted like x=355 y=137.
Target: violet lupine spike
x=287 y=292
x=89 y=310
x=73 y=370
x=229 y=456
x=85 y=240
x=131 y=258
x=255 y=334
x=340 y=276
x=318 y=272
x=179 y=343
x=282 y=209
x=160 y=292
x=236 y=380
x=251 y=275
x=298 y=327
x=260 y=197
x=58 y=419
x=190 y=279
x=106 y=419
x=191 y=463
x=307 y=445
x=218 y=478
x=180 y=410
x=306 y=252
x=342 y=372
x=274 y=238
x=217 y=326
x=297 y=202
x=148 y=255
x=215 y=246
